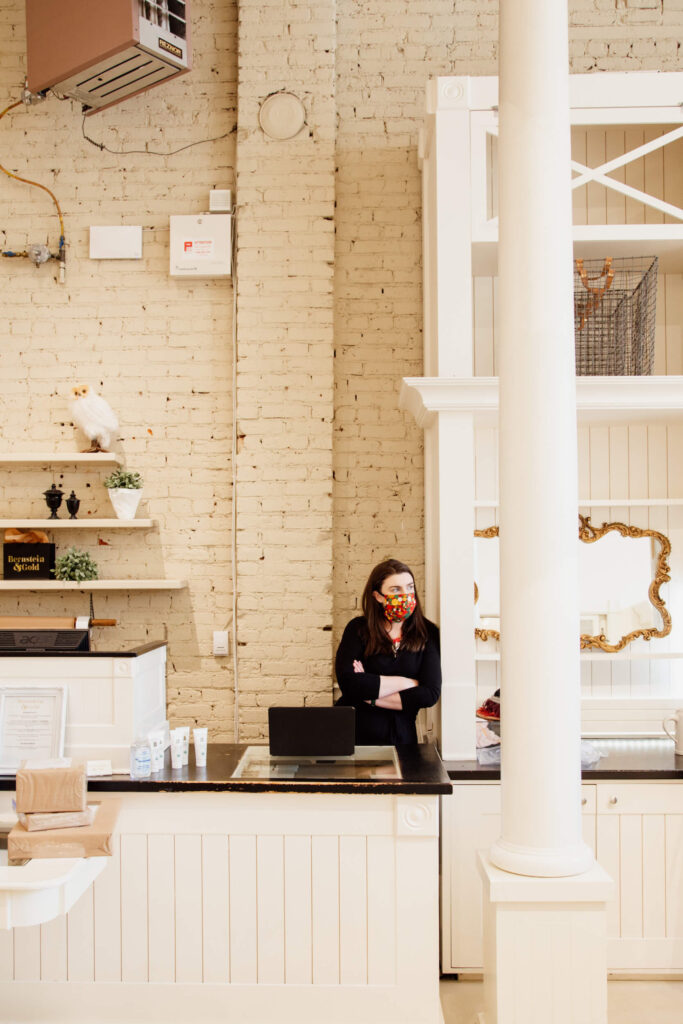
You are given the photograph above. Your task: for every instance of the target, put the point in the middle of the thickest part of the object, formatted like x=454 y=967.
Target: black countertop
x=133 y=652
x=422 y=770
x=625 y=760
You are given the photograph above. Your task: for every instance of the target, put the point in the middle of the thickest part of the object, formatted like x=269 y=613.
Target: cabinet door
x=640 y=844
x=471 y=822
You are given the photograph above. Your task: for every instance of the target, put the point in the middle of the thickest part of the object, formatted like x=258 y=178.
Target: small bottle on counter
x=140 y=759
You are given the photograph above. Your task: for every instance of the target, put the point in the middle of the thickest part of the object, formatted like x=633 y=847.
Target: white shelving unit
x=635 y=447
x=642 y=114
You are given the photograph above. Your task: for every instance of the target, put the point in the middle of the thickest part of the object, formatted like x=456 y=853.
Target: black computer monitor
x=312 y=732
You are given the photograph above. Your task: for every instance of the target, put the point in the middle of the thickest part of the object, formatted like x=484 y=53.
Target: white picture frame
x=32 y=724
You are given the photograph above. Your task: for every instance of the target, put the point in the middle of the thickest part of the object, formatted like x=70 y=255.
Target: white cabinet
x=640 y=844
x=636 y=832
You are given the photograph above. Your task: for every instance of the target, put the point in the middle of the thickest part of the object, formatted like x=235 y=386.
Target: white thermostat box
x=116 y=243
x=201 y=246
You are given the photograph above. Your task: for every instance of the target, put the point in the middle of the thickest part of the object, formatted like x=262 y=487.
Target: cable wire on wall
x=148 y=152
x=233 y=460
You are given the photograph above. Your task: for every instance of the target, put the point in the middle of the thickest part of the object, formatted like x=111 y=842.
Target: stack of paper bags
x=55 y=819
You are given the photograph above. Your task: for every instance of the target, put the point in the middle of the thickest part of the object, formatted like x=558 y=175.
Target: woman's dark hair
x=415 y=633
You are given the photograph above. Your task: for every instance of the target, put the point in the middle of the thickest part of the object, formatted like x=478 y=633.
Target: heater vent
x=99 y=53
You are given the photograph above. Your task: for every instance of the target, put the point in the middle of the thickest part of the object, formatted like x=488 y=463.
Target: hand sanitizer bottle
x=140 y=759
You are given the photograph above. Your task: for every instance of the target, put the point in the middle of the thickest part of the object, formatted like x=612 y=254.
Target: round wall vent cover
x=282 y=115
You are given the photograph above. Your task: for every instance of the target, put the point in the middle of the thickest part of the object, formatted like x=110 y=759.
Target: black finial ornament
x=53 y=497
x=73 y=504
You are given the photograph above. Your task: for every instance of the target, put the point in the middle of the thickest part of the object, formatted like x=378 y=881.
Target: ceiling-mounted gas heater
x=102 y=51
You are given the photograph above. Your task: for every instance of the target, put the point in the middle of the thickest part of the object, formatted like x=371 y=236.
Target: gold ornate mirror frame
x=589 y=534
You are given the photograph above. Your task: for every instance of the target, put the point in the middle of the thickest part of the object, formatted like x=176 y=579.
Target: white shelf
x=609 y=503
x=61 y=459
x=77 y=524
x=604 y=656
x=598 y=399
x=56 y=585
x=596 y=241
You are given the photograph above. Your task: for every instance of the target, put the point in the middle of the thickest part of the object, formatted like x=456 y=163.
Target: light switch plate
x=220 y=642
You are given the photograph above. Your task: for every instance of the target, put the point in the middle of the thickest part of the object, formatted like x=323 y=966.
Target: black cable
x=150 y=152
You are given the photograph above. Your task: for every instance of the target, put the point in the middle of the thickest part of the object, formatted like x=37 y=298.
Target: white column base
x=544 y=863
x=544 y=947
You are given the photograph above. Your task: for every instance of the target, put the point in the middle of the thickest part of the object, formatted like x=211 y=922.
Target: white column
x=541 y=824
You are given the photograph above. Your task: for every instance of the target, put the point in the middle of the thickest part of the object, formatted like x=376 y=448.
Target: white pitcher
x=677 y=735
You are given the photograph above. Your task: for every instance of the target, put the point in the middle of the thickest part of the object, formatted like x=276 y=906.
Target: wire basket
x=614 y=316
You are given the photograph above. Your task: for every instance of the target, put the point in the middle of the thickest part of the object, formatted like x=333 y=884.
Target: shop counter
x=273 y=897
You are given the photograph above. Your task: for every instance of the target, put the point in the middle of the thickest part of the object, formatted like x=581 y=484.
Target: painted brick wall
x=157 y=348
x=285 y=253
x=330 y=319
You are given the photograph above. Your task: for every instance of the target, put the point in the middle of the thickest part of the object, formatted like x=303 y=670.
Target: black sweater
x=379 y=726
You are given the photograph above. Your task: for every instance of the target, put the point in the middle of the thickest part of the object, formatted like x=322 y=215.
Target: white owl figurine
x=95 y=417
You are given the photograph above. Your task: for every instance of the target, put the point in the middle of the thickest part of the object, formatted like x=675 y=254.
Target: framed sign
x=32 y=723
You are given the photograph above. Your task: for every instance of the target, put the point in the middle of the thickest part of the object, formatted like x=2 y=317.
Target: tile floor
x=630 y=1002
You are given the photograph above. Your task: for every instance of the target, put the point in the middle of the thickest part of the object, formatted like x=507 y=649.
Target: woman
x=387 y=663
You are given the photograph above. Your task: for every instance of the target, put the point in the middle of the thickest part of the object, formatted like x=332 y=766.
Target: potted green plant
x=125 y=491
x=75 y=565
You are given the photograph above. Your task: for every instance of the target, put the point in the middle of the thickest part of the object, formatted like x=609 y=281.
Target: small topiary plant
x=123 y=478
x=75 y=565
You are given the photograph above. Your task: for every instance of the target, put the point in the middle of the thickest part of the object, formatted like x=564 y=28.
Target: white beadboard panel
x=80 y=928
x=381 y=911
x=634 y=175
x=134 y=939
x=654 y=174
x=107 y=905
x=161 y=904
x=610 y=859
x=673 y=322
x=298 y=911
x=216 y=909
x=674 y=876
x=353 y=926
x=325 y=915
x=6 y=955
x=631 y=875
x=270 y=887
x=596 y=199
x=660 y=365
x=53 y=966
x=578 y=136
x=27 y=953
x=486 y=464
x=638 y=480
x=615 y=203
x=188 y=908
x=483 y=327
x=243 y=910
x=654 y=876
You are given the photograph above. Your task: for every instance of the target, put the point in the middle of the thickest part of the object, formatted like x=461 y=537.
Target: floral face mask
x=399 y=606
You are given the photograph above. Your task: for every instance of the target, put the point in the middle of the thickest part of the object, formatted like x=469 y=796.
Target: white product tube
x=184 y=730
x=156 y=745
x=200 y=741
x=176 y=748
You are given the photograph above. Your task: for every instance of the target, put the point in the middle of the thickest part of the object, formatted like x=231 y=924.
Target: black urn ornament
x=73 y=504
x=53 y=497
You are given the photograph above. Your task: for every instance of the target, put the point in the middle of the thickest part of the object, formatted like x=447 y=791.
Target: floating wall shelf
x=77 y=524
x=56 y=585
x=61 y=459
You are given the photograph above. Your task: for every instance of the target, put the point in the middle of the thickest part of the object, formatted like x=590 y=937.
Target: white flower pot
x=125 y=501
